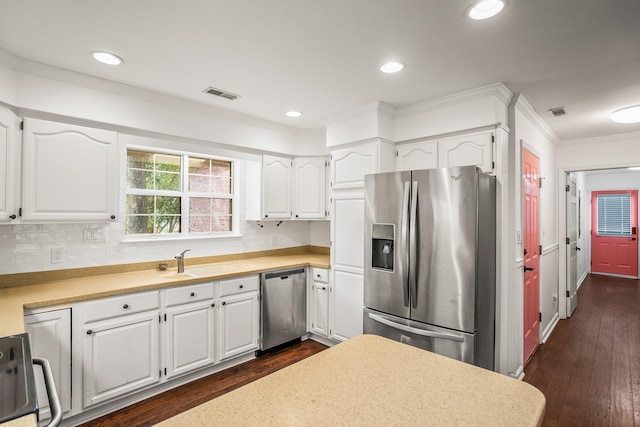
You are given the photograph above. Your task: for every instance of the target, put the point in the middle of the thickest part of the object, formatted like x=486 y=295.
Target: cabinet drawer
x=320 y=275
x=191 y=293
x=121 y=305
x=241 y=284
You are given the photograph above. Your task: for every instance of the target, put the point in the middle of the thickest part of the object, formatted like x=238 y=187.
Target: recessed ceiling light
x=391 y=67
x=293 y=114
x=486 y=9
x=107 y=58
x=627 y=115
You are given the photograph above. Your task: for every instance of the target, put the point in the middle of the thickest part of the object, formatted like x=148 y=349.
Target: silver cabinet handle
x=416 y=331
x=52 y=393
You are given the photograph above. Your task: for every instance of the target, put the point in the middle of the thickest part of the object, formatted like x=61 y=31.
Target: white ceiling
x=322 y=57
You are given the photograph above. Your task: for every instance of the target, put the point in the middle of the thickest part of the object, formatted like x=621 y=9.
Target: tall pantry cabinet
x=348 y=168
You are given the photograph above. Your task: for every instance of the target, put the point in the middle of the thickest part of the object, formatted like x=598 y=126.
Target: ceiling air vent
x=221 y=93
x=558 y=111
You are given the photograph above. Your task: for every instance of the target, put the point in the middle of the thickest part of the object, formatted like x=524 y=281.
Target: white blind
x=614 y=214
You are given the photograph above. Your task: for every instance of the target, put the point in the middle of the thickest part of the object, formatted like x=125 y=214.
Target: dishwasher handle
x=282 y=274
x=52 y=393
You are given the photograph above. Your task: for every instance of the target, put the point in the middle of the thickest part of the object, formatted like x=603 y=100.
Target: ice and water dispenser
x=382 y=246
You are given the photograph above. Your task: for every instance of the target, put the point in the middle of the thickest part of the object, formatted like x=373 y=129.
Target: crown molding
x=498 y=90
x=376 y=108
x=520 y=102
x=607 y=138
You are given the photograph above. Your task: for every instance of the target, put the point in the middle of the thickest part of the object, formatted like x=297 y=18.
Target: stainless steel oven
x=17 y=381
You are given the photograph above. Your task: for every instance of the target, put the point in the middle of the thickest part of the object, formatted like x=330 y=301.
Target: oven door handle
x=52 y=393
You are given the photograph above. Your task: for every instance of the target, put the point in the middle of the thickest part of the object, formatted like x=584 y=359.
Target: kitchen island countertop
x=369 y=381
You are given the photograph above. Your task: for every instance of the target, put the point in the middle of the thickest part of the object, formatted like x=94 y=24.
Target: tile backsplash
x=41 y=247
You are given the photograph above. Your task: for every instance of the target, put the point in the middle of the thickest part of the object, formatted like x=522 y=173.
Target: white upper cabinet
x=417 y=155
x=350 y=165
x=276 y=187
x=294 y=188
x=309 y=187
x=9 y=155
x=467 y=150
x=69 y=172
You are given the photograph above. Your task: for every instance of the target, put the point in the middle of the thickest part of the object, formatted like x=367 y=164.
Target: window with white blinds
x=614 y=215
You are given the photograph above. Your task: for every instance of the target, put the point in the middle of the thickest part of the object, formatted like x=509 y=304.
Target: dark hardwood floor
x=167 y=404
x=589 y=369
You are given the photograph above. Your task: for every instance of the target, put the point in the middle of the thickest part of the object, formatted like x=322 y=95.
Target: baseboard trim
x=550 y=327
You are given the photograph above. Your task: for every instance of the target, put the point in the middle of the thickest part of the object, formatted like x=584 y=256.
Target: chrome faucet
x=180 y=259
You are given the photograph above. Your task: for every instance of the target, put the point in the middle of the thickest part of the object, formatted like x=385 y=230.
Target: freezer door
x=386 y=229
x=445 y=251
x=453 y=344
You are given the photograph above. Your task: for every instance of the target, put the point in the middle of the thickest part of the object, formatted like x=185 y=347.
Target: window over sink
x=170 y=194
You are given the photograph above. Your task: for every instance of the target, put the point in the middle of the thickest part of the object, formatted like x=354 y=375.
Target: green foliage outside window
x=155 y=194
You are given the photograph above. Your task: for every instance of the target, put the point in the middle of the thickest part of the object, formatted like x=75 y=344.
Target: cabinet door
x=467 y=150
x=347 y=231
x=309 y=183
x=238 y=320
x=120 y=356
x=319 y=308
x=418 y=155
x=190 y=338
x=9 y=159
x=347 y=296
x=50 y=338
x=276 y=187
x=69 y=172
x=350 y=165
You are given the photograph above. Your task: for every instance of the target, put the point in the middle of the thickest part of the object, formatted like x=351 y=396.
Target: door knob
x=528 y=268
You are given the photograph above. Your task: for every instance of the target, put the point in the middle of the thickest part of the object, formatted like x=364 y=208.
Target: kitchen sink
x=204 y=270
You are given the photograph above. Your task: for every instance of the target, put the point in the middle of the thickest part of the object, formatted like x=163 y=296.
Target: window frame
x=184 y=194
x=624 y=217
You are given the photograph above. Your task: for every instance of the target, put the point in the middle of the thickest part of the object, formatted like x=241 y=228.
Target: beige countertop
x=370 y=380
x=14 y=299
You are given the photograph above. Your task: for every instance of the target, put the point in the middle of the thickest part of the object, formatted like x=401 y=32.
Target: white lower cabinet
x=347 y=296
x=120 y=356
x=50 y=338
x=128 y=343
x=238 y=316
x=189 y=329
x=319 y=302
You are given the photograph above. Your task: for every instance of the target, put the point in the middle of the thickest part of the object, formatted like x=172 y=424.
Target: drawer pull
x=126 y=306
x=224 y=303
x=89 y=332
x=193 y=294
x=241 y=286
x=213 y=305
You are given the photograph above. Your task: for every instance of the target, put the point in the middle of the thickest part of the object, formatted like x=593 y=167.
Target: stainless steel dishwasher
x=283 y=307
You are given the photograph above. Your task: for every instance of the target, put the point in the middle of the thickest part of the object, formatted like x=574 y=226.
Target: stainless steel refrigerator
x=430 y=265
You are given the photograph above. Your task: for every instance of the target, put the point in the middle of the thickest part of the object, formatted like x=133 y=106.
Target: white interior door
x=571 y=244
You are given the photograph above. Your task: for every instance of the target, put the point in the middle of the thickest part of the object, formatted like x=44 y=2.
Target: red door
x=531 y=207
x=614 y=225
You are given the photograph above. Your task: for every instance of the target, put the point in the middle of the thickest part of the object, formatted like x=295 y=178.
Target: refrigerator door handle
x=416 y=331
x=413 y=256
x=405 y=239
